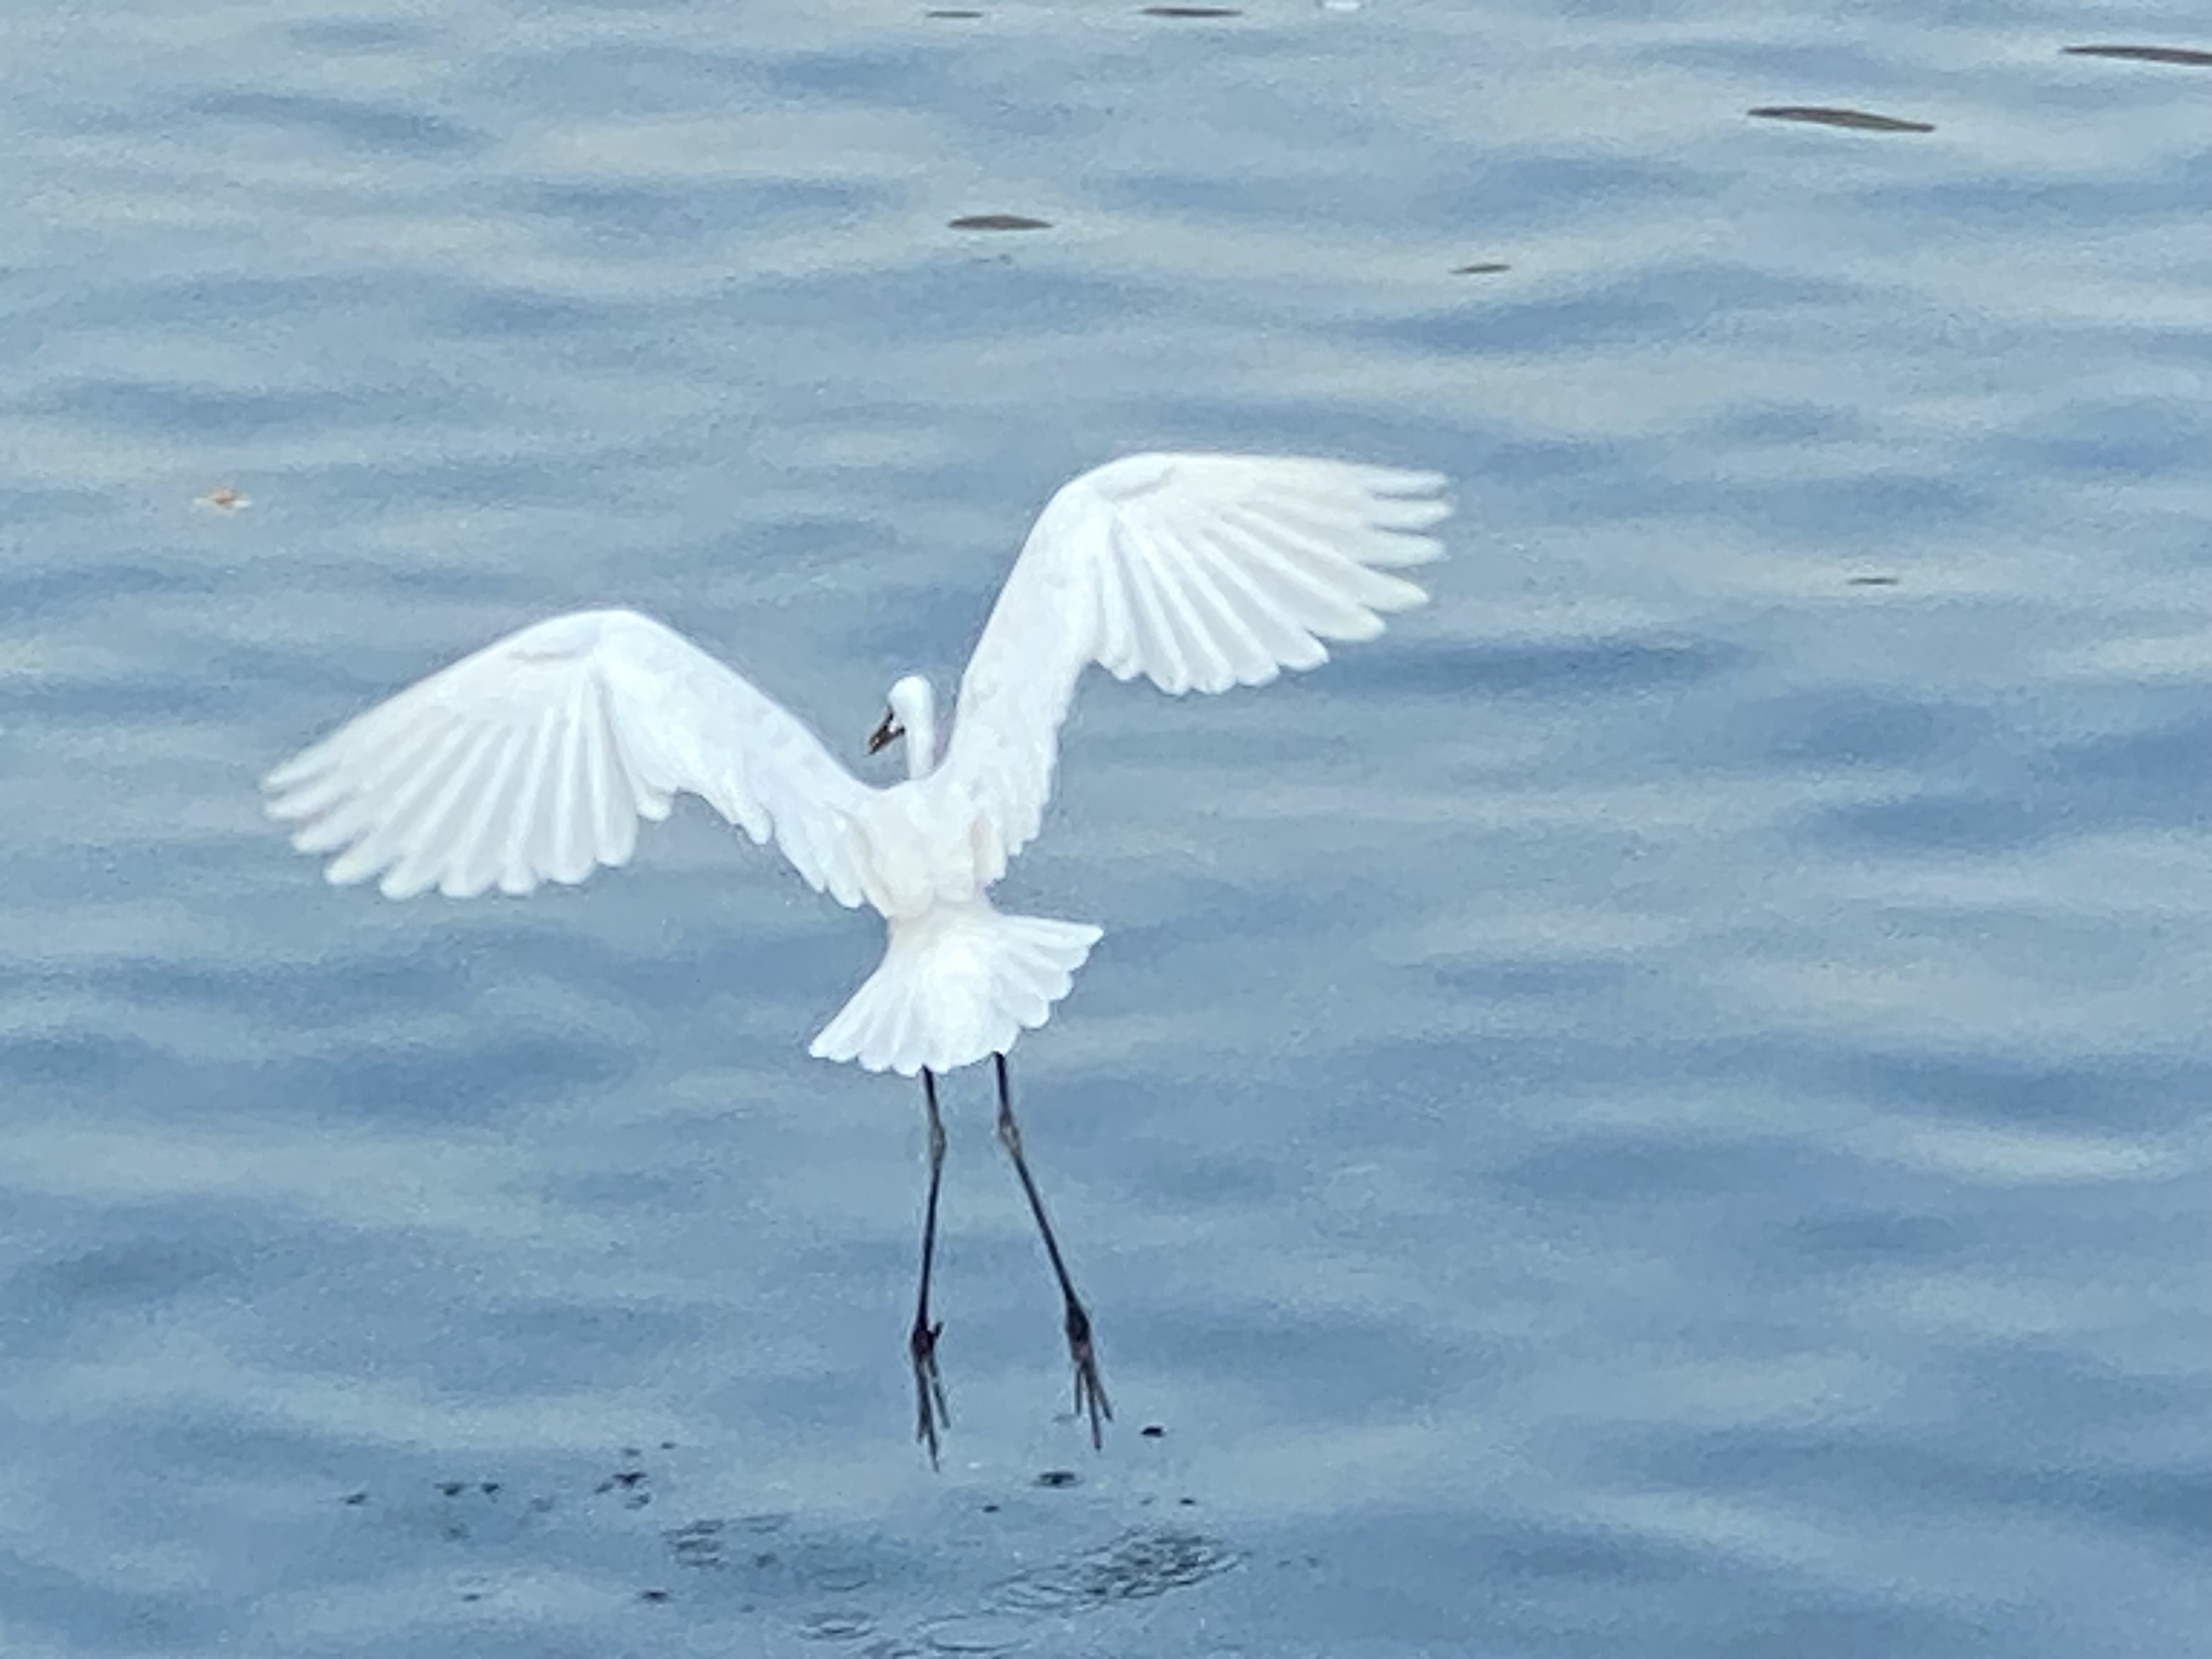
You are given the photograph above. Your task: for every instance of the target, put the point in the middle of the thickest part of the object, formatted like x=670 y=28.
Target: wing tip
x=1406 y=481
x=290 y=776
x=337 y=873
x=1407 y=550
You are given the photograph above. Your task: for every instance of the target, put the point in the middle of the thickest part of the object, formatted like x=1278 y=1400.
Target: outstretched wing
x=534 y=759
x=1200 y=572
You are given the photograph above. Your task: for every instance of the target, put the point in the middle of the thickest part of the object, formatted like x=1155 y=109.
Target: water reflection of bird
x=534 y=759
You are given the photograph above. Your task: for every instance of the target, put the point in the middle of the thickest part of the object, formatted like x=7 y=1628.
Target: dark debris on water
x=999 y=221
x=1858 y=120
x=2186 y=55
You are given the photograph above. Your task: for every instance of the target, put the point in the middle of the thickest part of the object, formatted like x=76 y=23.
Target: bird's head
x=911 y=713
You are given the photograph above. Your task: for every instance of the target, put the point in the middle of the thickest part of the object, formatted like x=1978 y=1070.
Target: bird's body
x=534 y=759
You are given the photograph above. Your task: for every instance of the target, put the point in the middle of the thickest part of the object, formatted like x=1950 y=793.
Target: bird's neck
x=921 y=739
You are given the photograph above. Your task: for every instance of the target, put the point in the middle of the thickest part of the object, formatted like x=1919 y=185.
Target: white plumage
x=534 y=759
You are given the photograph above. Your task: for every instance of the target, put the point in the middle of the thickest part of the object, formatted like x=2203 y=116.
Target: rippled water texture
x=1659 y=1109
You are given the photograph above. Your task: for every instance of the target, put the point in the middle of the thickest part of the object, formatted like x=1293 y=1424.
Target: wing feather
x=1241 y=658
x=534 y=812
x=1166 y=648
x=534 y=759
x=1311 y=598
x=1113 y=614
x=1324 y=559
x=471 y=864
x=1256 y=603
x=569 y=859
x=416 y=870
x=1199 y=572
x=433 y=793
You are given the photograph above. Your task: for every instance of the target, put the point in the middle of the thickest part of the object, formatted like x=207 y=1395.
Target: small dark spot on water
x=1858 y=120
x=1059 y=1477
x=630 y=1483
x=1192 y=11
x=1481 y=268
x=1188 y=1503
x=668 y=1445
x=489 y=1488
x=632 y=1453
x=1871 y=582
x=998 y=221
x=1151 y=1432
x=355 y=1497
x=2146 y=54
x=653 y=1596
x=951 y=14
x=990 y=1509
x=452 y=1488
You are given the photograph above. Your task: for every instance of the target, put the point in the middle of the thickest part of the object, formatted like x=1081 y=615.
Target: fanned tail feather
x=956 y=984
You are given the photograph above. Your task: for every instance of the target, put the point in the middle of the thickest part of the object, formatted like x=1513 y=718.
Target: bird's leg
x=930 y=1413
x=1089 y=1393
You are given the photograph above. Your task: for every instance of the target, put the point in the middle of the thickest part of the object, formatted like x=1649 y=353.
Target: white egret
x=534 y=759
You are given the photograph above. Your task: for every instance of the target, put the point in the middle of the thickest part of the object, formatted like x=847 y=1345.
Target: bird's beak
x=883 y=734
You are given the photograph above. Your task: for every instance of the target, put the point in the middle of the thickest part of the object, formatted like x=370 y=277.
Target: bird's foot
x=1090 y=1399
x=932 y=1415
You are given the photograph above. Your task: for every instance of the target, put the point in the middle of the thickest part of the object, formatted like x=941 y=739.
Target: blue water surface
x=1660 y=1108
